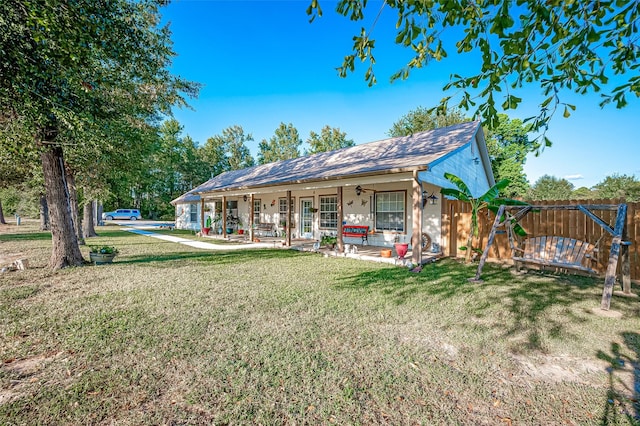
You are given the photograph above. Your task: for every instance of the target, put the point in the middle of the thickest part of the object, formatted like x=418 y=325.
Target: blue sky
x=263 y=63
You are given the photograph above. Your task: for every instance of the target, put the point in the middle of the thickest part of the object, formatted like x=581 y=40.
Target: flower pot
x=240 y=231
x=401 y=249
x=101 y=258
x=205 y=231
x=385 y=253
x=229 y=230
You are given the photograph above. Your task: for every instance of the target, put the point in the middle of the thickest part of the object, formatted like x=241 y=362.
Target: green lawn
x=173 y=335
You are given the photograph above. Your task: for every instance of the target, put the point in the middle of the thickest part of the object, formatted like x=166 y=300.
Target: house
x=392 y=186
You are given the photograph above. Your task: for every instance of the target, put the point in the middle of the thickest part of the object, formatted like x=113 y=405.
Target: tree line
x=172 y=165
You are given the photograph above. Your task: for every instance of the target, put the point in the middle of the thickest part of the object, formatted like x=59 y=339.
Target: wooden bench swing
x=555 y=252
x=565 y=253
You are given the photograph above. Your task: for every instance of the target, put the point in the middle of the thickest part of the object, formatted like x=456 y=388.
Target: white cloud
x=574 y=177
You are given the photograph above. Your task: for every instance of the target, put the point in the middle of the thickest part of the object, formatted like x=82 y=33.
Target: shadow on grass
x=27 y=236
x=529 y=299
x=215 y=257
x=444 y=279
x=46 y=235
x=623 y=396
x=115 y=233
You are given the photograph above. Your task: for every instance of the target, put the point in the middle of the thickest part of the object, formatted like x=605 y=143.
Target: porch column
x=251 y=218
x=288 y=237
x=224 y=216
x=416 y=215
x=201 y=212
x=340 y=220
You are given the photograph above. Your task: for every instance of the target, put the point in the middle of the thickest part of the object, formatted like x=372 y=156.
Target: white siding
x=464 y=165
x=183 y=219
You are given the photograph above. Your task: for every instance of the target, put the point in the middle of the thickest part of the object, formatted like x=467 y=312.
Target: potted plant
x=207 y=226
x=102 y=254
x=216 y=223
x=232 y=222
x=328 y=241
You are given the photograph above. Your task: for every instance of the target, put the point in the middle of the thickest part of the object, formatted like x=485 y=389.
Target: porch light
x=431 y=199
x=245 y=198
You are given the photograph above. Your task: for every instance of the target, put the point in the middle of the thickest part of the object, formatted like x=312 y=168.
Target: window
x=193 y=212
x=329 y=212
x=256 y=211
x=390 y=211
x=282 y=209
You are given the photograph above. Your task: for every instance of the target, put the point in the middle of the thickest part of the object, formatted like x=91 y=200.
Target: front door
x=306 y=218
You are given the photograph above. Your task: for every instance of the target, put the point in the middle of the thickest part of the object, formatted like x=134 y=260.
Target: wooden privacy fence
x=456 y=223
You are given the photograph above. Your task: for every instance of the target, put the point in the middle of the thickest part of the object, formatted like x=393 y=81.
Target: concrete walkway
x=199 y=244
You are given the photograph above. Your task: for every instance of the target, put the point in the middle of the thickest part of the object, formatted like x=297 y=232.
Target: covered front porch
x=371 y=213
x=373 y=253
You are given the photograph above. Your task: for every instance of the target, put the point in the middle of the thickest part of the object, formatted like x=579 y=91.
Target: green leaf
x=519 y=230
x=545 y=103
x=455 y=193
x=458 y=182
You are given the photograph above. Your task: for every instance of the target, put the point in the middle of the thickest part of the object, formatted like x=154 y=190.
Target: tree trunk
x=73 y=203
x=45 y=224
x=87 y=221
x=2 y=221
x=467 y=254
x=65 y=250
x=99 y=208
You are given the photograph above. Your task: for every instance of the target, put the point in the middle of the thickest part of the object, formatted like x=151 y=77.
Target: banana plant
x=490 y=200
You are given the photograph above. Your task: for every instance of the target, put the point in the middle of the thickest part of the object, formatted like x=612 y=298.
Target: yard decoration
x=401 y=249
x=489 y=200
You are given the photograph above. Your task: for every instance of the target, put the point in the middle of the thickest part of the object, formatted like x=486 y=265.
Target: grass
x=173 y=335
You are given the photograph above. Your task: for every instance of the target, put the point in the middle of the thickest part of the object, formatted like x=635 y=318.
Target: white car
x=126 y=214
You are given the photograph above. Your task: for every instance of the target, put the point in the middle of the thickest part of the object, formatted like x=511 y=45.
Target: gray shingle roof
x=384 y=156
x=188 y=197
